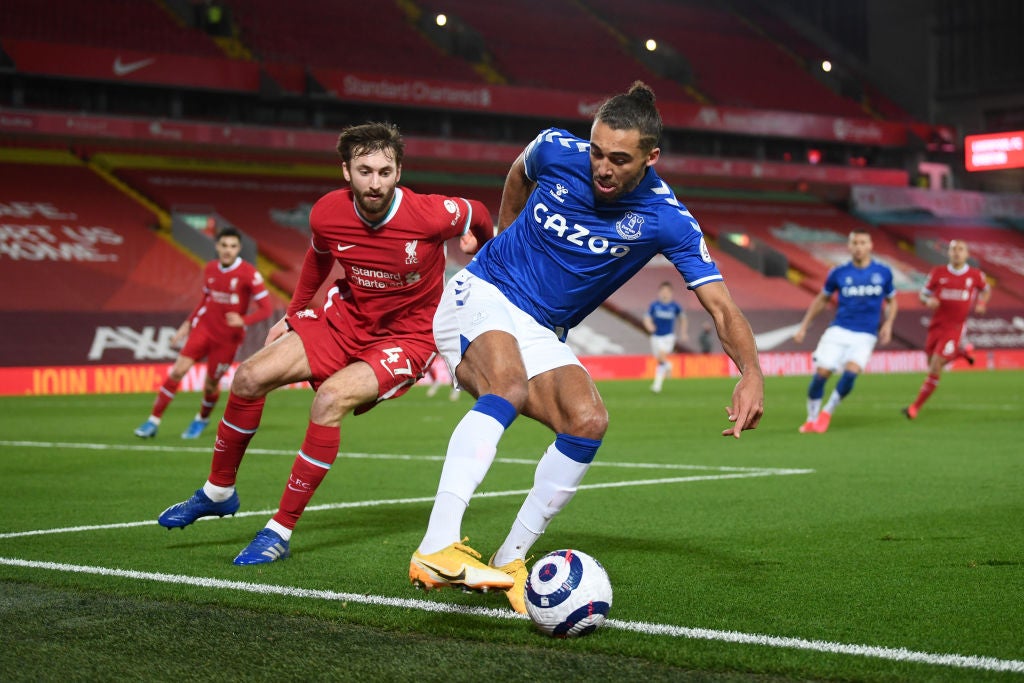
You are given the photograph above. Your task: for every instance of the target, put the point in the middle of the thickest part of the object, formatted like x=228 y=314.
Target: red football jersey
x=956 y=293
x=394 y=268
x=230 y=289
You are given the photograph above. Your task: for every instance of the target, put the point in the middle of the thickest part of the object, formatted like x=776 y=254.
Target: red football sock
x=209 y=401
x=318 y=453
x=930 y=384
x=165 y=396
x=236 y=429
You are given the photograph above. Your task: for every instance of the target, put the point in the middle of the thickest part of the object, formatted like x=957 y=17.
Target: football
x=568 y=594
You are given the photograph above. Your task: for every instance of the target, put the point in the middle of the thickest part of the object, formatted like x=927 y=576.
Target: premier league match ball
x=568 y=594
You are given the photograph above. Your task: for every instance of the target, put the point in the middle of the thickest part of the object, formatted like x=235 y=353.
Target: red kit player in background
x=949 y=293
x=215 y=330
x=372 y=339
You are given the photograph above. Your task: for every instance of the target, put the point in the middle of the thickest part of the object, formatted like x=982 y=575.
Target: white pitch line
x=410 y=501
x=152 y=448
x=893 y=654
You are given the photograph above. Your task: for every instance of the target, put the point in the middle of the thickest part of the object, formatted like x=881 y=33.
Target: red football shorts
x=943 y=341
x=397 y=362
x=219 y=354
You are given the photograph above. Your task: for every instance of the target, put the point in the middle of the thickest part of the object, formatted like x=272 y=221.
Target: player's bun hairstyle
x=228 y=231
x=368 y=138
x=633 y=110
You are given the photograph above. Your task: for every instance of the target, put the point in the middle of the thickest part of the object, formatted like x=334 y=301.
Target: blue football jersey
x=861 y=293
x=566 y=252
x=664 y=316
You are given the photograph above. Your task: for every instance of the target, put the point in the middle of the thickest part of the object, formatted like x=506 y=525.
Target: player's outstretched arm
x=816 y=307
x=181 y=333
x=738 y=342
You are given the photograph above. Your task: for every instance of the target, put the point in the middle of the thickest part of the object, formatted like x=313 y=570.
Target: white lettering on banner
x=46 y=243
x=417 y=91
x=33 y=209
x=150 y=343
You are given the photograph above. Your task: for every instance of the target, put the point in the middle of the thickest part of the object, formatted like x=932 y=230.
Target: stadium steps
x=162 y=216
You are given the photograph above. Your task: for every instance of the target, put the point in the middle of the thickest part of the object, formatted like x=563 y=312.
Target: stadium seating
x=731 y=63
x=272 y=210
x=512 y=30
x=813 y=238
x=95 y=249
x=998 y=251
x=370 y=37
x=126 y=24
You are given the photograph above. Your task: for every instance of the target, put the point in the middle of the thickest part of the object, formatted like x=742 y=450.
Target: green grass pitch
x=884 y=550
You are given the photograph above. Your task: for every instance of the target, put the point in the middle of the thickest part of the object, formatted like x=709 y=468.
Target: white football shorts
x=663 y=344
x=471 y=306
x=839 y=346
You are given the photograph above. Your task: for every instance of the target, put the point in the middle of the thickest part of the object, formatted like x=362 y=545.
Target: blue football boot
x=268 y=546
x=182 y=514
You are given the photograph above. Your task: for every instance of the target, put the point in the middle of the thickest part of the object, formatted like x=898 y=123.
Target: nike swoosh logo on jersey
x=123 y=69
x=461 y=576
x=343 y=248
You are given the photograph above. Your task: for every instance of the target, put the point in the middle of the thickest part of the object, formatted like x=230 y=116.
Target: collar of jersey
x=237 y=262
x=392 y=210
x=959 y=271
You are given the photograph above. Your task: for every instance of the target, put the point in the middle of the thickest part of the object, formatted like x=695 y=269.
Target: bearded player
x=215 y=330
x=371 y=341
x=950 y=292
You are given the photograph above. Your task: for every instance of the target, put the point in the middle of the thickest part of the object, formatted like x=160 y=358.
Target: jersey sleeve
x=682 y=243
x=260 y=297
x=929 y=286
x=890 y=284
x=539 y=152
x=316 y=265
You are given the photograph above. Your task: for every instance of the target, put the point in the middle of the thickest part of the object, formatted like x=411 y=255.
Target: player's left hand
x=234 y=319
x=277 y=331
x=747 y=404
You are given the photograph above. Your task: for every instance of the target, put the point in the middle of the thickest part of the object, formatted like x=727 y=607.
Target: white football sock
x=554 y=484
x=218 y=494
x=471 y=451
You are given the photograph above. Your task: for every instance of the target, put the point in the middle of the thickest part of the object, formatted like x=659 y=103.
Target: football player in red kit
x=950 y=292
x=372 y=339
x=215 y=330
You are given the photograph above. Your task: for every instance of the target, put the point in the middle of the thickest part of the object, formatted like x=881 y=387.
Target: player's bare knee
x=330 y=404
x=245 y=383
x=590 y=422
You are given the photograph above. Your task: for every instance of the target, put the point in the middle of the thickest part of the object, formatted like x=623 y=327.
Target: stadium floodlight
x=441 y=19
x=826 y=65
x=651 y=45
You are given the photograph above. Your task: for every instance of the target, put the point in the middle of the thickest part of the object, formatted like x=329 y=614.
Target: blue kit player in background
x=580 y=218
x=662 y=320
x=865 y=287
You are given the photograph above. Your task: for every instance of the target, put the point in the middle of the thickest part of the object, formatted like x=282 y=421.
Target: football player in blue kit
x=864 y=288
x=579 y=219
x=663 y=318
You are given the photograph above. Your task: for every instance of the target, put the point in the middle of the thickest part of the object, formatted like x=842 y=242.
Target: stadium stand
x=731 y=64
x=998 y=251
x=326 y=33
x=510 y=31
x=101 y=252
x=812 y=236
x=128 y=24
